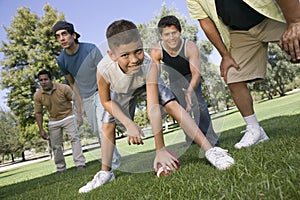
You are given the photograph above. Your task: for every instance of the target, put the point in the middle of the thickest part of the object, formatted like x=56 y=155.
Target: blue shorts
x=127 y=102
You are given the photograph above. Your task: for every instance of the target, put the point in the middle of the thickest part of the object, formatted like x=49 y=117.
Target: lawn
x=266 y=171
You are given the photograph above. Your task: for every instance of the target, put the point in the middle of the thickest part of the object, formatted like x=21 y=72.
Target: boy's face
x=129 y=56
x=45 y=82
x=171 y=36
x=65 y=39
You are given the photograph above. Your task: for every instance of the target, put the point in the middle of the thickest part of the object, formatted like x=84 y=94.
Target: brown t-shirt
x=58 y=101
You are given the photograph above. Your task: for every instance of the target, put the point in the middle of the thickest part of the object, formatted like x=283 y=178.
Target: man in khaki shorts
x=240 y=31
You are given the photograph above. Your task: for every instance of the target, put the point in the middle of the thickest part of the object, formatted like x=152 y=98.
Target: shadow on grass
x=276 y=128
x=225 y=113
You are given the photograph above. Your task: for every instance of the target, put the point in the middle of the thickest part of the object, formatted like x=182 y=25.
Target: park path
x=17 y=164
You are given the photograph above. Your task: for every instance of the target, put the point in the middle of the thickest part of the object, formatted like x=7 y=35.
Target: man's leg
x=71 y=130
x=242 y=98
x=56 y=139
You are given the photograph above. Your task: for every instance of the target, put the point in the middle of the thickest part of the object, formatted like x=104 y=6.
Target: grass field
x=266 y=171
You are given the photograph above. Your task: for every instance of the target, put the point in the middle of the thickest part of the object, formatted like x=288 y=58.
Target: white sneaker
x=219 y=158
x=101 y=178
x=252 y=136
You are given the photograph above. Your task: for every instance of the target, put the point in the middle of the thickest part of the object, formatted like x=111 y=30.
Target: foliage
x=31 y=47
x=214 y=90
x=10 y=141
x=280 y=72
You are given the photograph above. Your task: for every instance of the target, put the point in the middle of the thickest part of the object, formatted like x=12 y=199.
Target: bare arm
x=133 y=131
x=155 y=54
x=290 y=40
x=77 y=99
x=193 y=55
x=153 y=108
x=214 y=37
x=39 y=120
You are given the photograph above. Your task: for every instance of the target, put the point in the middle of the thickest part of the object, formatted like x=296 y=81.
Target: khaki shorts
x=249 y=50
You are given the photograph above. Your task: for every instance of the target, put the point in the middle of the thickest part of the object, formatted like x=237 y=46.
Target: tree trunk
x=23 y=156
x=12 y=157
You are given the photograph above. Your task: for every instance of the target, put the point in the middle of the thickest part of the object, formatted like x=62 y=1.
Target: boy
x=123 y=75
x=57 y=98
x=182 y=59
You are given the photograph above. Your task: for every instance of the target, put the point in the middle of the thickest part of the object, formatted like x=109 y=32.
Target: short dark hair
x=122 y=32
x=169 y=20
x=42 y=72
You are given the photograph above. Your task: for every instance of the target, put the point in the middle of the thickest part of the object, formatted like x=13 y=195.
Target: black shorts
x=127 y=102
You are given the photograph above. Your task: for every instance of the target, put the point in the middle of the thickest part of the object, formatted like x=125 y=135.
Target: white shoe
x=252 y=136
x=101 y=178
x=219 y=158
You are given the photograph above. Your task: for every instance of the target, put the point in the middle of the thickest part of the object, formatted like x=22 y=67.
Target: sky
x=90 y=17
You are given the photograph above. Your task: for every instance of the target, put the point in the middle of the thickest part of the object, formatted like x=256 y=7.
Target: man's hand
x=134 y=134
x=79 y=119
x=165 y=159
x=290 y=41
x=226 y=63
x=44 y=135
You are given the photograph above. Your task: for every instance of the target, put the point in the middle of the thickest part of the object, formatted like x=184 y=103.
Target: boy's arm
x=155 y=54
x=214 y=37
x=153 y=108
x=134 y=133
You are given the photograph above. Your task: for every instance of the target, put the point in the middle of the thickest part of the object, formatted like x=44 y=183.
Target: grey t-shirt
x=82 y=66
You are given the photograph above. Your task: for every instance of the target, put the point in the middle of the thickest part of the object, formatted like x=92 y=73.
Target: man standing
x=78 y=63
x=57 y=98
x=182 y=60
x=240 y=31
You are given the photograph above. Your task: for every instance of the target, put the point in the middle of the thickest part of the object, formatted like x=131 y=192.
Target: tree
x=10 y=142
x=213 y=87
x=280 y=72
x=31 y=47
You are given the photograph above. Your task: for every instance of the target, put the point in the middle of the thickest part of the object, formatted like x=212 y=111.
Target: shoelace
x=93 y=182
x=246 y=136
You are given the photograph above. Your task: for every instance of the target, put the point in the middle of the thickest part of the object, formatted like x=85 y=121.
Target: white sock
x=251 y=120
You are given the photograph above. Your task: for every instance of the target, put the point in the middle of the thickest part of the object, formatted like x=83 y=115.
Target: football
x=161 y=172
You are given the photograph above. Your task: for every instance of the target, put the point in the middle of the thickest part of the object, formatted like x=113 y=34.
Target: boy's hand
x=165 y=159
x=134 y=134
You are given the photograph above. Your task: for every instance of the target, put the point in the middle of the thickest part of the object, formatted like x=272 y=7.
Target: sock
x=252 y=120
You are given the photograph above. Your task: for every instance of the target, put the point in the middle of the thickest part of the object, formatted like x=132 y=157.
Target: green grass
x=266 y=171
